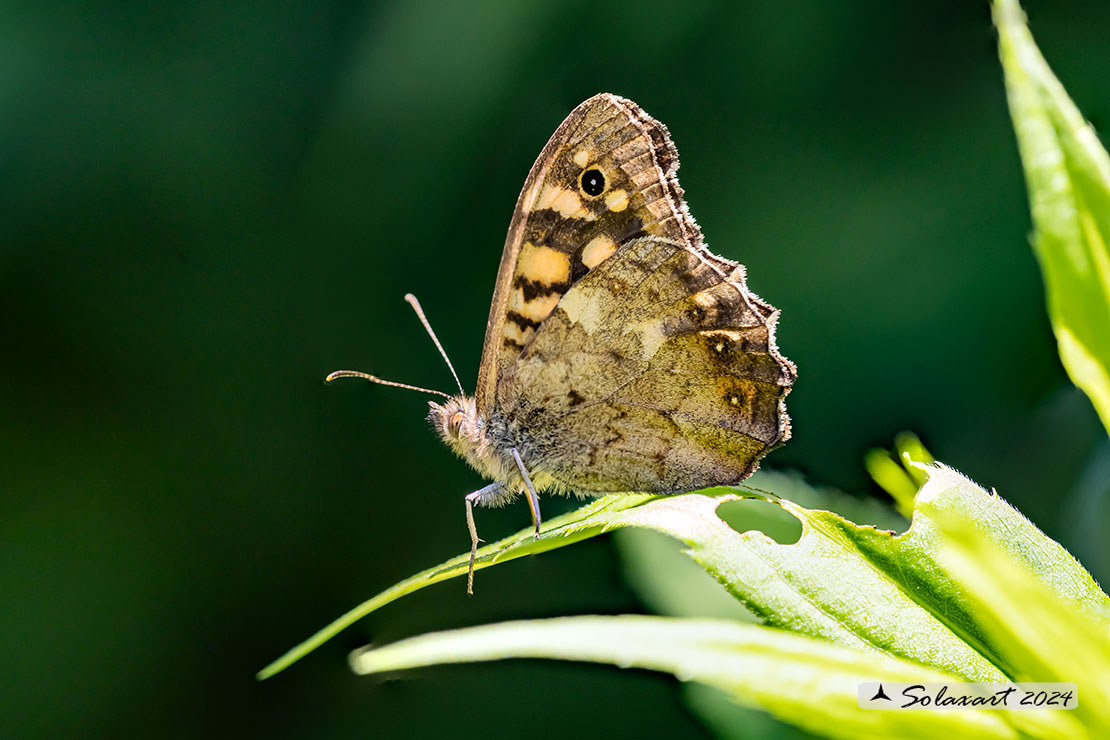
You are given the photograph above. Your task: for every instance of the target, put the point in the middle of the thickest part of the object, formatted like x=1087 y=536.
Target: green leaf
x=950 y=495
x=588 y=521
x=671 y=584
x=805 y=681
x=1067 y=174
x=893 y=473
x=886 y=599
x=860 y=602
x=1046 y=629
x=828 y=584
x=916 y=556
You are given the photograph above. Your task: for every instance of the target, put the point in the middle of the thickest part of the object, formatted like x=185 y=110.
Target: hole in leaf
x=763 y=516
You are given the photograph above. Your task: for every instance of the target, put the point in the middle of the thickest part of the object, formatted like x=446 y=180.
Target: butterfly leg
x=533 y=499
x=493 y=490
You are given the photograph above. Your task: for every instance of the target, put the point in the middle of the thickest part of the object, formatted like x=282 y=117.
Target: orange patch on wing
x=537 y=309
x=617 y=200
x=542 y=264
x=564 y=202
x=597 y=251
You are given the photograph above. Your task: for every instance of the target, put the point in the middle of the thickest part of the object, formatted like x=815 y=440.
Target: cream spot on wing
x=617 y=200
x=583 y=306
x=582 y=157
x=651 y=338
x=536 y=309
x=597 y=251
x=564 y=202
x=547 y=197
x=570 y=205
x=543 y=264
x=514 y=332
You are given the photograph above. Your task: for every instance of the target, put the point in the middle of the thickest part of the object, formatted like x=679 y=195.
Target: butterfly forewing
x=605 y=177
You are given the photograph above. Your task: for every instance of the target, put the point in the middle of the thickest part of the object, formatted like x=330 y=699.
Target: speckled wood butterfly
x=620 y=353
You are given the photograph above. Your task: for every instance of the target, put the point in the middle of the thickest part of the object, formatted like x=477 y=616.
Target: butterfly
x=621 y=355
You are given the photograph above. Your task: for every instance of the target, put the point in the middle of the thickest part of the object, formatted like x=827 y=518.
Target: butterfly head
x=457 y=422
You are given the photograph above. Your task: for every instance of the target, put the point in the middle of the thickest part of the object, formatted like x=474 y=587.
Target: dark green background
x=206 y=208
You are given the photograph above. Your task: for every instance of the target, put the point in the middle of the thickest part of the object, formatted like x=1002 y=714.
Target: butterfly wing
x=658 y=371
x=605 y=177
x=620 y=353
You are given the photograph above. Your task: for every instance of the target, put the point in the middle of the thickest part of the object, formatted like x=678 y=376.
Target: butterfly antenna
x=376 y=379
x=428 y=327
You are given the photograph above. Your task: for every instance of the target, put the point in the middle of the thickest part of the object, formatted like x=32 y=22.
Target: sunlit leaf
x=861 y=602
x=805 y=681
x=1042 y=634
x=1067 y=173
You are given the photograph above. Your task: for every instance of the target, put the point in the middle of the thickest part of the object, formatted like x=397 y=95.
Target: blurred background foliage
x=206 y=207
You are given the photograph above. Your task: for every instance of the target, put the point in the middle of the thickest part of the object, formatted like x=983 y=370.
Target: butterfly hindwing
x=657 y=371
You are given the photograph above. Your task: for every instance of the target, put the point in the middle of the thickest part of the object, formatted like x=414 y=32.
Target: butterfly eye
x=592 y=182
x=454 y=423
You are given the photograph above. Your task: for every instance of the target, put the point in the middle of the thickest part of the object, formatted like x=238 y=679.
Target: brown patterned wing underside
x=658 y=371
x=606 y=176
